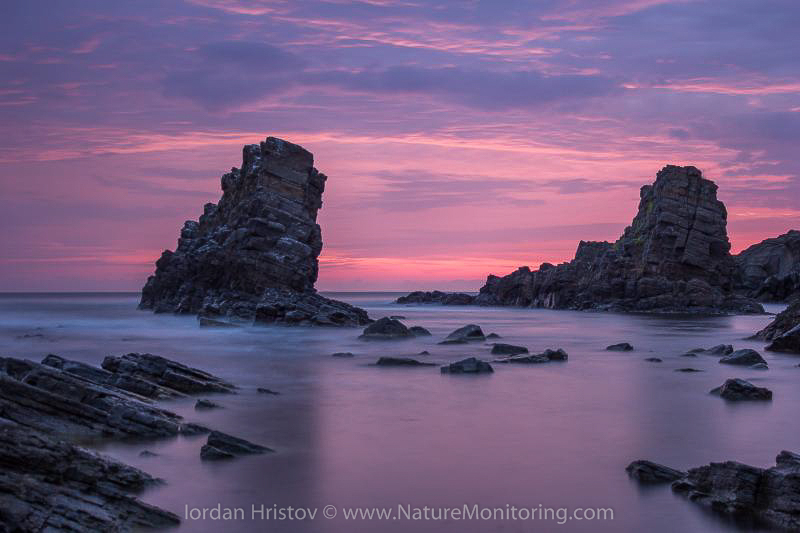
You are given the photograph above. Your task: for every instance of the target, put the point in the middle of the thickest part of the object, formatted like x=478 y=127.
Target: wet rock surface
x=254 y=255
x=649 y=472
x=771 y=495
x=386 y=329
x=401 y=361
x=507 y=349
x=621 y=347
x=770 y=270
x=464 y=334
x=673 y=258
x=470 y=365
x=740 y=390
x=783 y=327
x=745 y=357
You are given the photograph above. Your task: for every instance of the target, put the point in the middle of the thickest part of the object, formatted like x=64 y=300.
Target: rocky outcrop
x=771 y=495
x=784 y=331
x=673 y=258
x=223 y=446
x=770 y=270
x=740 y=390
x=47 y=484
x=254 y=255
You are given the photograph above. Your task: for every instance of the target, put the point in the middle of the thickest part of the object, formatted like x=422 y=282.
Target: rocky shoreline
x=48 y=482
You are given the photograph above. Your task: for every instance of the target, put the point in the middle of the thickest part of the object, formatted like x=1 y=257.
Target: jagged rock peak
x=255 y=253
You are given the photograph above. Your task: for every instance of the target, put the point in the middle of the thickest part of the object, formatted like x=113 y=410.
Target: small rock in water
x=760 y=366
x=650 y=472
x=544 y=357
x=653 y=360
x=508 y=349
x=470 y=365
x=397 y=317
x=689 y=354
x=745 y=357
x=621 y=347
x=739 y=389
x=262 y=390
x=419 y=331
x=206 y=404
x=468 y=333
x=223 y=446
x=401 y=361
x=147 y=453
x=342 y=354
x=386 y=329
x=718 y=350
x=492 y=336
x=424 y=352
x=688 y=370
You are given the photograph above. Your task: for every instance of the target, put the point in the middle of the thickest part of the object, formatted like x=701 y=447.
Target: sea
x=481 y=453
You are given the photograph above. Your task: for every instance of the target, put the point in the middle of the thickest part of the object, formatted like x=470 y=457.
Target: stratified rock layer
x=674 y=257
x=253 y=256
x=770 y=270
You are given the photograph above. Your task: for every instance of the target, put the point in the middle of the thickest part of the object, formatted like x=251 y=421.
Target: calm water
x=353 y=435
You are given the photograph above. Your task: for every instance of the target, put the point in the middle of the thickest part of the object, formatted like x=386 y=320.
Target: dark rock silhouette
x=436 y=297
x=673 y=258
x=253 y=256
x=470 y=365
x=400 y=361
x=620 y=347
x=739 y=389
x=745 y=357
x=223 y=446
x=770 y=270
x=649 y=472
x=386 y=329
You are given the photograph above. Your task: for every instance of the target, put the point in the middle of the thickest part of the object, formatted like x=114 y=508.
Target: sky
x=459 y=138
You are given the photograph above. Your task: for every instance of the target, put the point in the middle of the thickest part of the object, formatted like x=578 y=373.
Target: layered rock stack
x=674 y=257
x=770 y=270
x=254 y=255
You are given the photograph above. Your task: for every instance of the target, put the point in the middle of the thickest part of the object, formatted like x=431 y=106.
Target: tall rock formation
x=674 y=257
x=253 y=256
x=770 y=270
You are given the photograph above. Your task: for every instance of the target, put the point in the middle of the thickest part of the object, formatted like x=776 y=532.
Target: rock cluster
x=47 y=484
x=674 y=257
x=770 y=270
x=254 y=255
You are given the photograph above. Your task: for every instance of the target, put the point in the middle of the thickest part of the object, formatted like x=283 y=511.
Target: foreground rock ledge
x=253 y=257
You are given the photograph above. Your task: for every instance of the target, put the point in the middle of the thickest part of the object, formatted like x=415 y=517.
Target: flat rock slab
x=223 y=446
x=50 y=485
x=650 y=472
x=739 y=390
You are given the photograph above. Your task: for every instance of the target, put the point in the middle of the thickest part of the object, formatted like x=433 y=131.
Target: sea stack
x=674 y=257
x=254 y=255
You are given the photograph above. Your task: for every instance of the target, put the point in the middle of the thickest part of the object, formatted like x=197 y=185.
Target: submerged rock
x=770 y=270
x=650 y=472
x=745 y=357
x=50 y=485
x=468 y=333
x=688 y=370
x=470 y=365
x=386 y=329
x=204 y=404
x=223 y=446
x=419 y=331
x=719 y=350
x=771 y=495
x=544 y=357
x=621 y=347
x=401 y=361
x=342 y=354
x=674 y=257
x=254 y=255
x=739 y=389
x=653 y=360
x=508 y=349
x=264 y=390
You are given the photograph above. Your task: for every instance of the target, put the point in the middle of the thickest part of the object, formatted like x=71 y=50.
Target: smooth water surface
x=350 y=434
